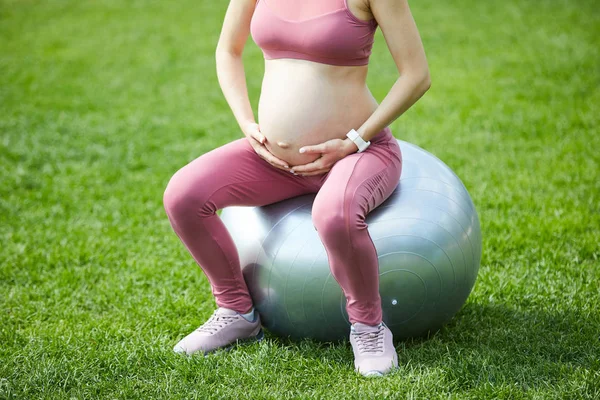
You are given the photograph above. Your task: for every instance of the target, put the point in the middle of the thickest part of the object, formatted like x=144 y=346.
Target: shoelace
x=369 y=342
x=216 y=322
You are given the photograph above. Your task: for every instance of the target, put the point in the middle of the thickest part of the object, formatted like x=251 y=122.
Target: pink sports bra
x=323 y=31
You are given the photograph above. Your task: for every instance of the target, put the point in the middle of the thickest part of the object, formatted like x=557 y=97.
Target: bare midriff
x=307 y=103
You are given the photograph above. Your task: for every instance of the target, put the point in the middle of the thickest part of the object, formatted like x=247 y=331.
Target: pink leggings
x=234 y=174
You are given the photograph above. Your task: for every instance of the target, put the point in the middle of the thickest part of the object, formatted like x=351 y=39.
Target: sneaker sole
x=372 y=374
x=240 y=342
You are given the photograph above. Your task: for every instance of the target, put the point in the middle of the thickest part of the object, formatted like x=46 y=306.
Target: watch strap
x=358 y=140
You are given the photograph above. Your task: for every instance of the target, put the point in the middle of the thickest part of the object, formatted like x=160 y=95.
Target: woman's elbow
x=425 y=81
x=419 y=79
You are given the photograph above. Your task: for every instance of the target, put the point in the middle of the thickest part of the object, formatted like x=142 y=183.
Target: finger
x=259 y=137
x=267 y=155
x=312 y=166
x=259 y=149
x=278 y=166
x=253 y=130
x=255 y=133
x=317 y=148
x=253 y=141
x=274 y=165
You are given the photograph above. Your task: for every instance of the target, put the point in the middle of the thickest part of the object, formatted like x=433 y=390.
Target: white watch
x=358 y=140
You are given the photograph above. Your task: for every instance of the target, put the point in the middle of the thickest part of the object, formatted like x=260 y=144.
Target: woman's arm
x=403 y=40
x=232 y=77
x=230 y=67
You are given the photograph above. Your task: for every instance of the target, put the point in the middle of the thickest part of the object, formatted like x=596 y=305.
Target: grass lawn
x=102 y=101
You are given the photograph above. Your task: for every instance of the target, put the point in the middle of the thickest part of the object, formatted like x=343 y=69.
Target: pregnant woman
x=320 y=131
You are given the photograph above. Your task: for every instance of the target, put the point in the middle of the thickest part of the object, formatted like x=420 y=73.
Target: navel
x=283 y=145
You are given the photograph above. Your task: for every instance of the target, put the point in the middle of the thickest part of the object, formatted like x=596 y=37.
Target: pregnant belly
x=308 y=107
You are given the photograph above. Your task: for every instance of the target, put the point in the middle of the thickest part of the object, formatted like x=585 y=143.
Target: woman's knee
x=184 y=194
x=329 y=224
x=174 y=196
x=333 y=221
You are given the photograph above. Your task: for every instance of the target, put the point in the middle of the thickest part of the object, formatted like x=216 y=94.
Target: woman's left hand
x=331 y=151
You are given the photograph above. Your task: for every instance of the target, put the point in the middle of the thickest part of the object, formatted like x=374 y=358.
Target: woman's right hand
x=257 y=141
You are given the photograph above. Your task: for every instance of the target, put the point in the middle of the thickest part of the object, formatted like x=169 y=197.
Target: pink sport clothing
x=323 y=31
x=233 y=174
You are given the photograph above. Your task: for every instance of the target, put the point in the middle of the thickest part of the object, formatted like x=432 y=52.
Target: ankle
x=248 y=316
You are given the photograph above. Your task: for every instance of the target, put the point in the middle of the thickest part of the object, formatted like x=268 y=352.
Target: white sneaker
x=224 y=328
x=374 y=352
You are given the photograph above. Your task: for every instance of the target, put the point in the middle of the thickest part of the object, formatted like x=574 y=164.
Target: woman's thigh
x=358 y=183
x=232 y=174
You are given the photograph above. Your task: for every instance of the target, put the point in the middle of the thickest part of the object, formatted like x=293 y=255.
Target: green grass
x=102 y=101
